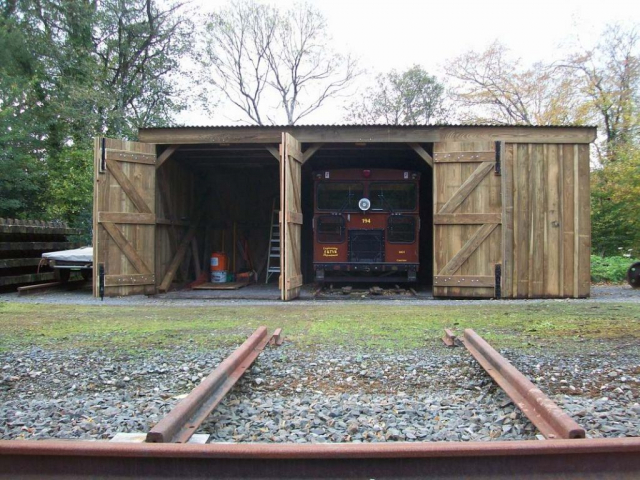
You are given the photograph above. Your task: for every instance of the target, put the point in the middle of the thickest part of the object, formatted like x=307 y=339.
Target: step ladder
x=273 y=259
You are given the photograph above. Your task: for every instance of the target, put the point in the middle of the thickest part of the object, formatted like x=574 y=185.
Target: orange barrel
x=218 y=267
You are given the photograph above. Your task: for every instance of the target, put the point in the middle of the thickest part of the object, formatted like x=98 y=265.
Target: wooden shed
x=504 y=210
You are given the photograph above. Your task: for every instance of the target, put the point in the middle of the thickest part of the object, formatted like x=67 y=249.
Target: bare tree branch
x=254 y=54
x=609 y=78
x=491 y=87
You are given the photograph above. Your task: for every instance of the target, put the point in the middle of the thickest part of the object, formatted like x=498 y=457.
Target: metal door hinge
x=103 y=155
x=498 y=158
x=101 y=281
x=498 y=285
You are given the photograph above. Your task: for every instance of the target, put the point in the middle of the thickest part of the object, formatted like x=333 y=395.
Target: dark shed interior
x=234 y=187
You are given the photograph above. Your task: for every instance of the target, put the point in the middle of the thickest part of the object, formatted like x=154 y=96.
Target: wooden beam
x=467 y=249
x=507 y=189
x=467 y=187
x=40 y=230
x=465 y=157
x=466 y=218
x=27 y=278
x=130 y=157
x=177 y=258
x=464 y=281
x=34 y=288
x=33 y=246
x=196 y=256
x=423 y=153
x=295 y=154
x=164 y=156
x=19 y=262
x=274 y=151
x=310 y=152
x=169 y=222
x=123 y=244
x=123 y=217
x=294 y=282
x=131 y=279
x=576 y=221
x=167 y=207
x=368 y=133
x=294 y=217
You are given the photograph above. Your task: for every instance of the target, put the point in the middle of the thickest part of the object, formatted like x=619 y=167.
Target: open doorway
x=230 y=192
x=398 y=156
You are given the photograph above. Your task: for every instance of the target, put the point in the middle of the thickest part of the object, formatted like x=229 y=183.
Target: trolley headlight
x=364 y=204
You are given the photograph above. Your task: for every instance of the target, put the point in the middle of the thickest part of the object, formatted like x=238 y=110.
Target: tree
x=81 y=68
x=21 y=173
x=139 y=46
x=492 y=87
x=615 y=203
x=107 y=64
x=412 y=97
x=608 y=76
x=271 y=65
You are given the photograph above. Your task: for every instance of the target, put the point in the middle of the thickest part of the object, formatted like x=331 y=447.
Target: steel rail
x=449 y=338
x=185 y=418
x=543 y=412
x=613 y=458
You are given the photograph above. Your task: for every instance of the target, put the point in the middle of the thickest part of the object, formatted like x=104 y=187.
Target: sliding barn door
x=124 y=217
x=467 y=219
x=290 y=217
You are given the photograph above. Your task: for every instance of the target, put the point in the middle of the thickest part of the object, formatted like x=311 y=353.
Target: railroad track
x=165 y=452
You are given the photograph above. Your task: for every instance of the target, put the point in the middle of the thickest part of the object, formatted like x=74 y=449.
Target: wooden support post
x=234 y=247
x=164 y=156
x=177 y=259
x=186 y=264
x=274 y=151
x=196 y=257
x=423 y=153
x=165 y=198
x=310 y=152
x=207 y=248
x=182 y=251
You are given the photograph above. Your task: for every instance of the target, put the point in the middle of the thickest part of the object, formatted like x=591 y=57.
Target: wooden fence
x=22 y=243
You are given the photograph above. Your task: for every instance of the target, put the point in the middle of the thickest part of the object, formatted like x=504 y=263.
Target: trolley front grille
x=366 y=246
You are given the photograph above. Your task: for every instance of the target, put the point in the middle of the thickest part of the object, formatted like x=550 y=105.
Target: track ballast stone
x=312 y=395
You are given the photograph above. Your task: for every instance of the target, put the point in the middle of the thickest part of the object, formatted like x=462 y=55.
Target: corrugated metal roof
x=350 y=125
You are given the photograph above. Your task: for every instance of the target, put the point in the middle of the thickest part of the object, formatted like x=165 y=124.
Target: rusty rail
x=543 y=412
x=449 y=338
x=614 y=458
x=185 y=418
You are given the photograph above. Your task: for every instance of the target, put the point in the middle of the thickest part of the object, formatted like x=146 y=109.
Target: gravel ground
x=325 y=395
x=599 y=294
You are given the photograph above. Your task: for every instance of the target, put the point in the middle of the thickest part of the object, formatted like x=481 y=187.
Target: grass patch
x=377 y=327
x=610 y=269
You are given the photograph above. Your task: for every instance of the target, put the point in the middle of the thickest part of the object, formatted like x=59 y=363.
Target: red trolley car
x=366 y=225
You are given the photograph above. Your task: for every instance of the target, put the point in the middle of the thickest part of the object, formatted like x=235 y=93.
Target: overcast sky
x=397 y=34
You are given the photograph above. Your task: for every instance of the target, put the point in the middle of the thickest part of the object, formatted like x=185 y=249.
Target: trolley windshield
x=393 y=196
x=339 y=195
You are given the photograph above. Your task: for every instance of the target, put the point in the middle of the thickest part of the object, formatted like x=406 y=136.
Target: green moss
x=382 y=326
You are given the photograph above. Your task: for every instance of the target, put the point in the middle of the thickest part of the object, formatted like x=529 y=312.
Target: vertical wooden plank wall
x=546 y=220
x=180 y=183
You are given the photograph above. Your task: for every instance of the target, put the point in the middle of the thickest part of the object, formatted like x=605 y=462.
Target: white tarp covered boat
x=77 y=255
